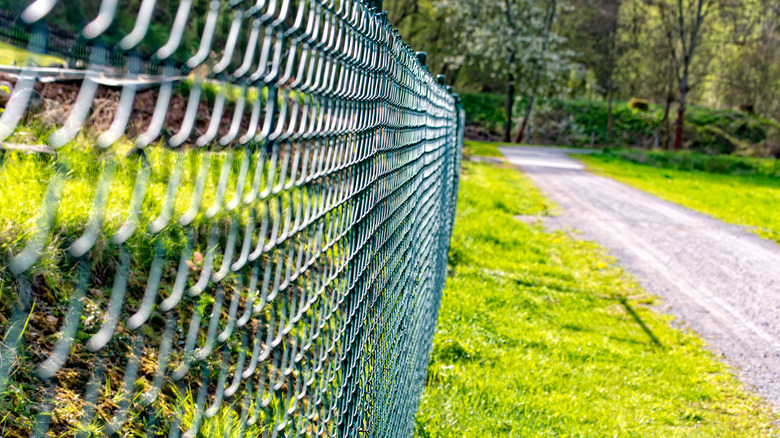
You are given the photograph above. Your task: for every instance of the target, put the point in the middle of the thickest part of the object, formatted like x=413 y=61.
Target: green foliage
x=10 y=54
x=540 y=334
x=67 y=19
x=745 y=195
x=571 y=122
x=687 y=160
x=592 y=116
x=485 y=110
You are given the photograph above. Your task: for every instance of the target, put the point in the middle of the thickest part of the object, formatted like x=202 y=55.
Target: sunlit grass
x=490 y=149
x=540 y=334
x=76 y=172
x=483 y=149
x=11 y=54
x=750 y=200
x=24 y=180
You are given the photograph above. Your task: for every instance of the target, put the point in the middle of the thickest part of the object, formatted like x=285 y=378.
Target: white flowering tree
x=512 y=38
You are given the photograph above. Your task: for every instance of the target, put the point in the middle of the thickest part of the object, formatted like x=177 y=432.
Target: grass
x=10 y=54
x=490 y=149
x=540 y=334
x=24 y=181
x=751 y=200
x=481 y=148
x=23 y=185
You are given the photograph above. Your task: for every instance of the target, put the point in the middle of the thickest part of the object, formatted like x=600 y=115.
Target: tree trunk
x=454 y=75
x=680 y=116
x=526 y=116
x=611 y=66
x=665 y=121
x=688 y=47
x=510 y=100
x=549 y=20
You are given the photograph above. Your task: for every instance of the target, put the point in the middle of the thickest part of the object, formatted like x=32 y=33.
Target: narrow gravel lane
x=719 y=279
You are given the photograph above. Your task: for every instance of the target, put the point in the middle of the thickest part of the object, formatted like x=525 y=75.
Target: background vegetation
x=565 y=68
x=603 y=51
x=570 y=121
x=539 y=333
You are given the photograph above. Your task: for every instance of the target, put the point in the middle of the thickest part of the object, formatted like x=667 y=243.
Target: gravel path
x=720 y=280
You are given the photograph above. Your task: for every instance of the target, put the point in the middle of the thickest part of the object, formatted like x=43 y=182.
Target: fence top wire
x=243 y=226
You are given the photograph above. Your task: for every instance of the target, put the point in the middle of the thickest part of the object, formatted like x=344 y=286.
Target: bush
x=485 y=110
x=571 y=122
x=591 y=116
x=687 y=160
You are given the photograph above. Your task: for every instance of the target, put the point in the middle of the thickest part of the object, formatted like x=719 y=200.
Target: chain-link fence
x=225 y=218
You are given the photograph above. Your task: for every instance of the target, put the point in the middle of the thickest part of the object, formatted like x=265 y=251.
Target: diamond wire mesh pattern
x=280 y=255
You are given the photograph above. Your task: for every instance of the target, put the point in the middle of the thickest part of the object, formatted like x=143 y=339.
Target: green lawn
x=480 y=148
x=10 y=54
x=540 y=334
x=750 y=200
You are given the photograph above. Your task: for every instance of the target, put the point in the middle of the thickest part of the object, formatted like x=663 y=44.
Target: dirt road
x=720 y=280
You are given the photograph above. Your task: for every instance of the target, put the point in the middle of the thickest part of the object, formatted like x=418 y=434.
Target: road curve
x=720 y=280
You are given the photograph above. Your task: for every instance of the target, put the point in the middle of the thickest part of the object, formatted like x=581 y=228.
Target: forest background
x=678 y=74
x=615 y=72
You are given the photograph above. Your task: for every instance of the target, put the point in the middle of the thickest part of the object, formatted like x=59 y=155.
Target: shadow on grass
x=624 y=302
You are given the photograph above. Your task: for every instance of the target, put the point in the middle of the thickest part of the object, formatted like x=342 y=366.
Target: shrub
x=571 y=122
x=718 y=164
x=687 y=160
x=485 y=110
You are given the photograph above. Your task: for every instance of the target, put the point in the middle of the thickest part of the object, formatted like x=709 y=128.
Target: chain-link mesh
x=264 y=240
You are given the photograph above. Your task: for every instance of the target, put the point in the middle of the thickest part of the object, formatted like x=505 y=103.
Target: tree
x=684 y=22
x=610 y=12
x=748 y=32
x=549 y=20
x=504 y=37
x=495 y=34
x=425 y=27
x=591 y=29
